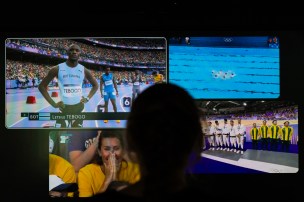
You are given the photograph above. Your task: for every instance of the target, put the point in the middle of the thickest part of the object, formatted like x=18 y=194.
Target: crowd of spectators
x=23 y=72
x=284 y=113
x=57 y=48
x=130 y=43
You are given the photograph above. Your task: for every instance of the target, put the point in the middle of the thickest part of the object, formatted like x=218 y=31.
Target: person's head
x=107 y=70
x=254 y=125
x=239 y=121
x=274 y=122
x=264 y=122
x=225 y=121
x=216 y=123
x=136 y=72
x=209 y=123
x=110 y=142
x=163 y=129
x=73 y=52
x=286 y=123
x=231 y=122
x=154 y=73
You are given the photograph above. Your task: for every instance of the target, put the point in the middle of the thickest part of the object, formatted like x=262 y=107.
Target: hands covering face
x=111 y=168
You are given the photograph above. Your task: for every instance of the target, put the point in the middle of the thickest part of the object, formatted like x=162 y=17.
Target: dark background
x=24 y=153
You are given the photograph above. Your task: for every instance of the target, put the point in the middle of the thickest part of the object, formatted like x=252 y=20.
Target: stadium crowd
x=284 y=113
x=144 y=43
x=57 y=48
x=25 y=72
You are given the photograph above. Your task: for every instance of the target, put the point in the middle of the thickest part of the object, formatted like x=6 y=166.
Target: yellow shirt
x=91 y=177
x=158 y=78
x=264 y=131
x=274 y=131
x=254 y=133
x=63 y=169
x=287 y=133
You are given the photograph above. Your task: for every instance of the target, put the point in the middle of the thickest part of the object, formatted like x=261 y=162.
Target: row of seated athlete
x=147 y=160
x=230 y=137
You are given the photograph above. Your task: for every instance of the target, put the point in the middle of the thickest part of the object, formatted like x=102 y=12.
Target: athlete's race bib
x=108 y=82
x=136 y=83
x=72 y=91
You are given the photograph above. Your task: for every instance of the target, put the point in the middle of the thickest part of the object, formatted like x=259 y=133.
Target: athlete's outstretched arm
x=93 y=81
x=44 y=84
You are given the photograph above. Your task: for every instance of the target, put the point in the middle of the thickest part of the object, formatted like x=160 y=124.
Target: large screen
x=229 y=67
x=78 y=82
x=249 y=136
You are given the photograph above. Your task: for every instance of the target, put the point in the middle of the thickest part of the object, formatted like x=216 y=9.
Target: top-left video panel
x=79 y=82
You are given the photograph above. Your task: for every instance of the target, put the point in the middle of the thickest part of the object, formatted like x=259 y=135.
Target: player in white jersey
x=210 y=134
x=240 y=131
x=70 y=76
x=226 y=135
x=218 y=135
x=232 y=136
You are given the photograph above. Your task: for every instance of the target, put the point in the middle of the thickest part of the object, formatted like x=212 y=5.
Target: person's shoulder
x=91 y=166
x=90 y=171
x=55 y=157
x=54 y=69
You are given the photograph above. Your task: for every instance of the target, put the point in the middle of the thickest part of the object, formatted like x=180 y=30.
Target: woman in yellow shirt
x=96 y=178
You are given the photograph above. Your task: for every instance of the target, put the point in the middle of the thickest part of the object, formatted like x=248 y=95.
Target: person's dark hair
x=163 y=129
x=154 y=73
x=109 y=134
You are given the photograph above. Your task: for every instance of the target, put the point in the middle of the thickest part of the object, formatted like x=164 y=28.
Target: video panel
x=228 y=67
x=78 y=82
x=249 y=137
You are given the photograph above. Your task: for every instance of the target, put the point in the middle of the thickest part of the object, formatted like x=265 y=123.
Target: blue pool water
x=256 y=71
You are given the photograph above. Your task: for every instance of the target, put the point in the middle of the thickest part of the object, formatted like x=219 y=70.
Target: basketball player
x=240 y=132
x=226 y=135
x=136 y=80
x=218 y=136
x=107 y=87
x=70 y=76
